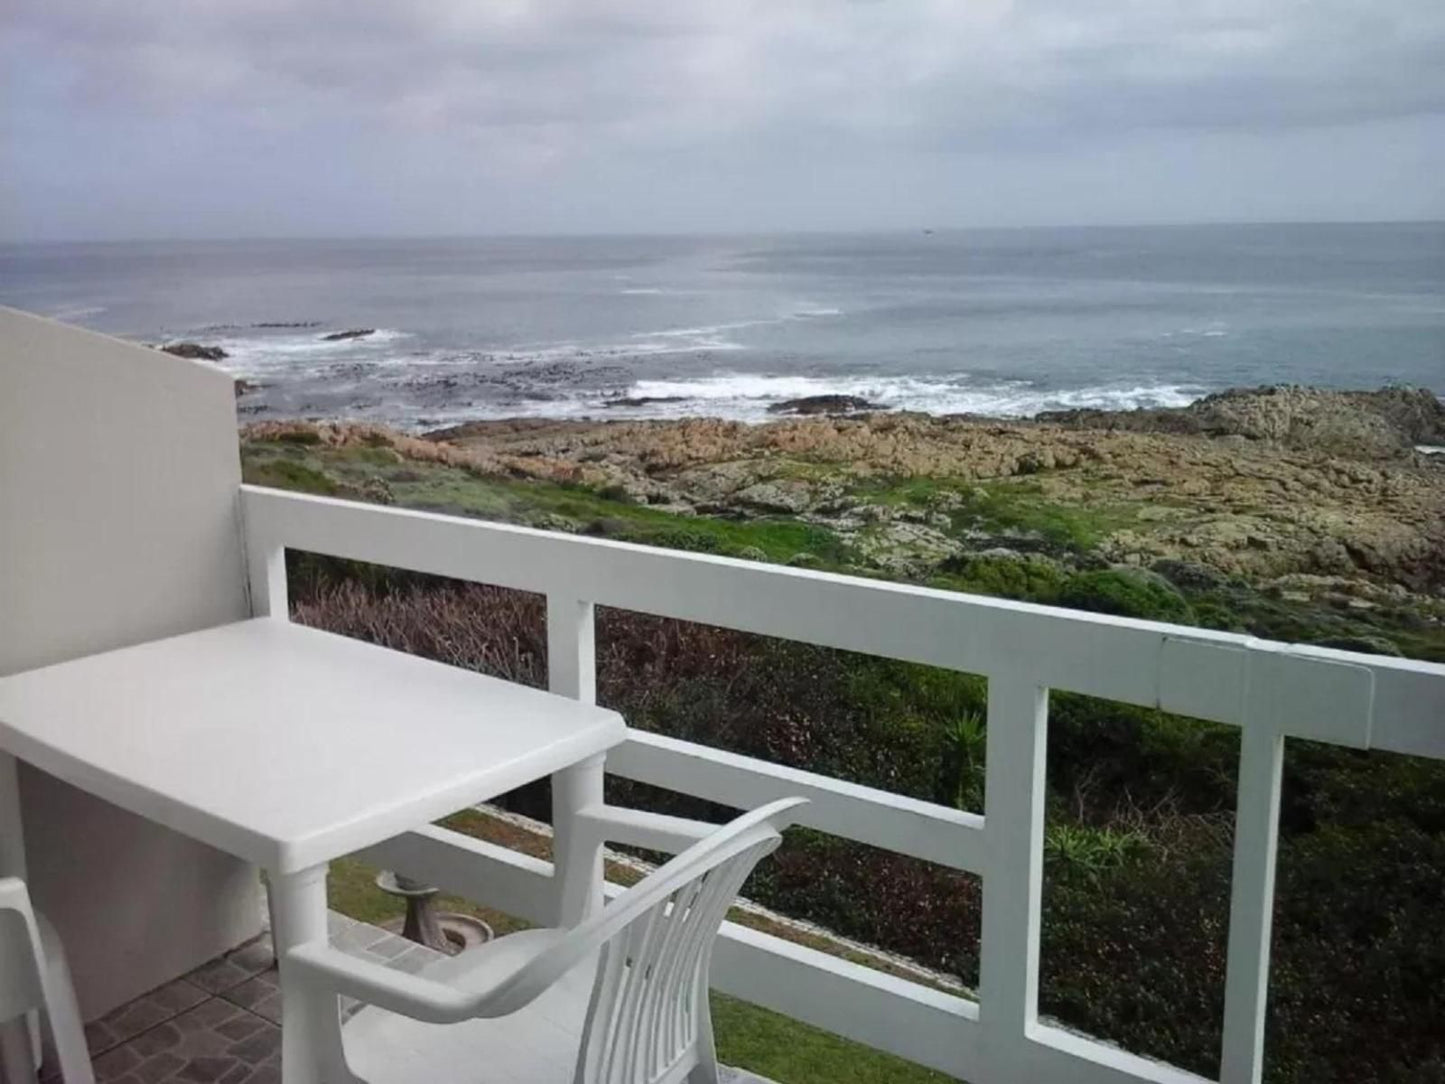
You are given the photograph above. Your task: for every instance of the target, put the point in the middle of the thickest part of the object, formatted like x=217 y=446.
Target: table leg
x=17 y=1063
x=577 y=861
x=311 y=1050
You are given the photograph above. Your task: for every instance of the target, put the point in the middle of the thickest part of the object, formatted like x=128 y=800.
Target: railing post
x=572 y=671
x=1018 y=712
x=1251 y=903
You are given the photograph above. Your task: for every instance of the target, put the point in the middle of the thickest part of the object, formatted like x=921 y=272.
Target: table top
x=285 y=745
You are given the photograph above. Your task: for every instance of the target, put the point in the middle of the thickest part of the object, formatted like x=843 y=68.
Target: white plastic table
x=288 y=747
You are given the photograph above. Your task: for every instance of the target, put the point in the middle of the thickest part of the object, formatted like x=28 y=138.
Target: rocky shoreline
x=1309 y=495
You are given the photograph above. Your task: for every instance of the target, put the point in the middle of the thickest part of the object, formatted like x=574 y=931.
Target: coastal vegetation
x=1264 y=534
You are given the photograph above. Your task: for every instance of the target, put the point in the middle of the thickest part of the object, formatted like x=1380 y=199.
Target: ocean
x=999 y=322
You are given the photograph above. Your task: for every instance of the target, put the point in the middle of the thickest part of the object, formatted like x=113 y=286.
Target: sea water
x=1002 y=322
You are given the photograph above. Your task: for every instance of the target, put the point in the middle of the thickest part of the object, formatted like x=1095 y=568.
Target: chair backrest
x=649 y=1000
x=20 y=980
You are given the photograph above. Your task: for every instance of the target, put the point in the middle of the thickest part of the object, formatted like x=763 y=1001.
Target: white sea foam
x=703 y=331
x=682 y=340
x=747 y=396
x=699 y=339
x=296 y=352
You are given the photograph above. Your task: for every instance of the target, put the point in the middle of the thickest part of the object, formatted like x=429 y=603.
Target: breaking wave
x=293 y=350
x=747 y=396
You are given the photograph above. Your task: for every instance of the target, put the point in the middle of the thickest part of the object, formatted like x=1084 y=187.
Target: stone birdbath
x=444 y=931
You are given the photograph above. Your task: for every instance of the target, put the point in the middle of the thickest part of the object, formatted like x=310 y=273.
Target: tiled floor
x=221 y=1024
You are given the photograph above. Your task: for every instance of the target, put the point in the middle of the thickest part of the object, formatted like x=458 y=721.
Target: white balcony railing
x=1269 y=690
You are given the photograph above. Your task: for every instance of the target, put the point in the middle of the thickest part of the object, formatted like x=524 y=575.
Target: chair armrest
x=320 y=966
x=653 y=831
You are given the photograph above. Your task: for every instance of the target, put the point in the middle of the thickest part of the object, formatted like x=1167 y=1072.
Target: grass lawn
x=766 y=1043
x=789 y=1052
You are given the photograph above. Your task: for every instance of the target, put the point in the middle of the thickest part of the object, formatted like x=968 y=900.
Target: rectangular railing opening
x=900 y=916
x=1138 y=846
x=1358 y=936
x=494 y=630
x=906 y=729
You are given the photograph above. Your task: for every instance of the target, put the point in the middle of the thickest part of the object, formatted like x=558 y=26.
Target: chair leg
x=705 y=1072
x=17 y=1063
x=67 y=1030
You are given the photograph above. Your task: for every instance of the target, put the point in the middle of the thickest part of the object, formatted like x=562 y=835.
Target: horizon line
x=922 y=229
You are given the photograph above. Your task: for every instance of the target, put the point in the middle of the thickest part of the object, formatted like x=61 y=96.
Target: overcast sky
x=224 y=118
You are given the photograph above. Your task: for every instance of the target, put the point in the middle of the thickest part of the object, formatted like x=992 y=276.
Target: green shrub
x=617 y=493
x=287 y=474
x=1090 y=850
x=1369 y=645
x=1127 y=593
x=298 y=436
x=965 y=740
x=1029 y=579
x=680 y=538
x=1133 y=950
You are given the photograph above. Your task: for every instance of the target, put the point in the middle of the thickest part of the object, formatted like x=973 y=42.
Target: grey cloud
x=714 y=97
x=966 y=68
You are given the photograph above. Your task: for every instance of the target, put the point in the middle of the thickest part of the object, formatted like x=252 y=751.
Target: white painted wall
x=118 y=524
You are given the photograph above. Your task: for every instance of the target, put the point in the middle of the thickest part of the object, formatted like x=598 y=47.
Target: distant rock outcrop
x=1382 y=424
x=825 y=404
x=354 y=333
x=641 y=400
x=195 y=351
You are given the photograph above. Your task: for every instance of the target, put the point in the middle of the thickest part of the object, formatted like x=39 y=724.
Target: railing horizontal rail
x=934 y=833
x=1196 y=672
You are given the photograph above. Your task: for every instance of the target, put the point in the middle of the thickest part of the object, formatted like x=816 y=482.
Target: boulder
x=642 y=400
x=1383 y=424
x=785 y=495
x=824 y=404
x=195 y=351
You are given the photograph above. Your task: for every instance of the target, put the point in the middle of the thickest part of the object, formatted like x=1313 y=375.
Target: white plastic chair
x=34 y=975
x=622 y=998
